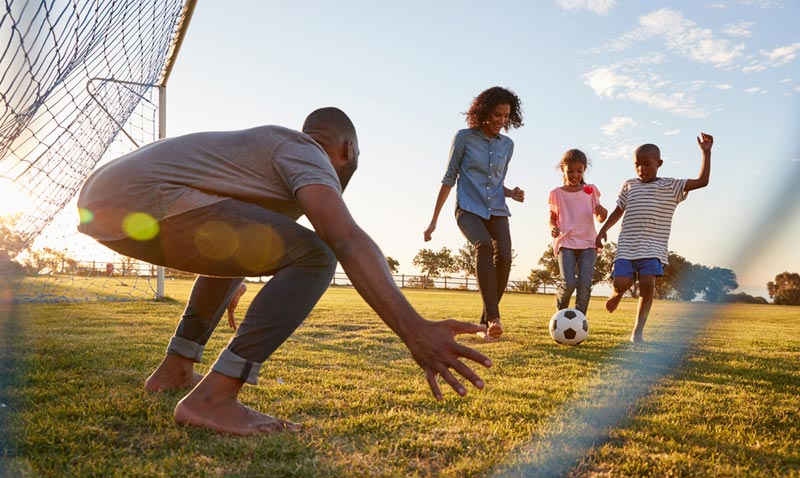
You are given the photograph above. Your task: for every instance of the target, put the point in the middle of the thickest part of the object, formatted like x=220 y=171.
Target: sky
x=603 y=76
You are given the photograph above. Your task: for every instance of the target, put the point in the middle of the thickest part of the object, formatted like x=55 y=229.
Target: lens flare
x=140 y=226
x=216 y=240
x=86 y=216
x=261 y=249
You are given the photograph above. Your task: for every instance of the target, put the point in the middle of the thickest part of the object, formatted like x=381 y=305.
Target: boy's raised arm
x=705 y=141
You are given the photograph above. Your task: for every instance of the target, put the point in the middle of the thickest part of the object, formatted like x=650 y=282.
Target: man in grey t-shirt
x=223 y=205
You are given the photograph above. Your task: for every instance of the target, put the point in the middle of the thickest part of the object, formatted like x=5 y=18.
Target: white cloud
x=760 y=3
x=741 y=29
x=681 y=36
x=783 y=55
x=721 y=6
x=724 y=86
x=755 y=89
x=606 y=82
x=617 y=124
x=777 y=57
x=785 y=80
x=614 y=149
x=601 y=7
x=672 y=132
x=797 y=88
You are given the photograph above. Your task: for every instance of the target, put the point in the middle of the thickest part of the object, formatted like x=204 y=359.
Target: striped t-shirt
x=648 y=217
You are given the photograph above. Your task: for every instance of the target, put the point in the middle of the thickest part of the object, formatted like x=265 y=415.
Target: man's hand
x=435 y=350
x=233 y=303
x=705 y=141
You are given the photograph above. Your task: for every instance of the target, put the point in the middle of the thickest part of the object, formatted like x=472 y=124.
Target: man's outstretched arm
x=431 y=343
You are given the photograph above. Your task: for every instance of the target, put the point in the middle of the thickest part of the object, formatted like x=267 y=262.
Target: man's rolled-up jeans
x=223 y=243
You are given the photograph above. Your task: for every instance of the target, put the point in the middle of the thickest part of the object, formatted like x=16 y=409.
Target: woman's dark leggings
x=492 y=240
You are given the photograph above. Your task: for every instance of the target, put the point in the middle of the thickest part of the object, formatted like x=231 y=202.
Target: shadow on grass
x=625 y=376
x=10 y=372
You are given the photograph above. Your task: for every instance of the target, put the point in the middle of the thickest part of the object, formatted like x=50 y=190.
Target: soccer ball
x=569 y=327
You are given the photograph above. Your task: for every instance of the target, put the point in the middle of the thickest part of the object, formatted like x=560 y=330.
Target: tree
x=786 y=289
x=538 y=278
x=744 y=298
x=434 y=264
x=550 y=263
x=465 y=260
x=604 y=264
x=393 y=264
x=681 y=279
x=50 y=261
x=716 y=282
x=11 y=241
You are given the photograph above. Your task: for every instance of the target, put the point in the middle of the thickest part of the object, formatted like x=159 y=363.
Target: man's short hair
x=331 y=119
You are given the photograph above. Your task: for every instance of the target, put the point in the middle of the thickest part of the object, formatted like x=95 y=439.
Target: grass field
x=714 y=392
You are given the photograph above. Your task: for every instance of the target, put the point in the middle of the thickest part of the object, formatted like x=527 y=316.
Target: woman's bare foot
x=494 y=328
x=175 y=372
x=214 y=404
x=613 y=301
x=486 y=337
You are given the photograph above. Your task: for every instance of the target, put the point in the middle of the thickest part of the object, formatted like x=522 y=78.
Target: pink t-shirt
x=575 y=212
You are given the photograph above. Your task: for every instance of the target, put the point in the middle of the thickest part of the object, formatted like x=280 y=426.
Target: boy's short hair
x=647 y=148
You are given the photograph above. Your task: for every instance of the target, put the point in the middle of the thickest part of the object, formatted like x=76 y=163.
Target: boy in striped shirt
x=646 y=205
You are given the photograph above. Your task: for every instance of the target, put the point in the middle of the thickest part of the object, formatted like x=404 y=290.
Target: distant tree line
x=682 y=280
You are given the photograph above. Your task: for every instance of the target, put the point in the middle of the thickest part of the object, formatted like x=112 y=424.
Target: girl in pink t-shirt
x=573 y=207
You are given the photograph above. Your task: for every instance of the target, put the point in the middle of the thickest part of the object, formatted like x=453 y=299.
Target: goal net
x=80 y=83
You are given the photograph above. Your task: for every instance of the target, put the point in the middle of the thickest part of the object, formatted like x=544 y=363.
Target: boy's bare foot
x=174 y=373
x=613 y=302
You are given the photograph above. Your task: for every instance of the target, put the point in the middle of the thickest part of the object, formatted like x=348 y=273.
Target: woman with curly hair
x=479 y=157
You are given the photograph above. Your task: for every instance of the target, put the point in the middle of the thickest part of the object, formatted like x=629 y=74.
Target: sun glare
x=12 y=199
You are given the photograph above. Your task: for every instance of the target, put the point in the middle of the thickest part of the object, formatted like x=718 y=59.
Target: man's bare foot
x=214 y=404
x=230 y=416
x=613 y=302
x=174 y=373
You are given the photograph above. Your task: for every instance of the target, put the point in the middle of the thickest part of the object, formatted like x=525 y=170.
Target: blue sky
x=602 y=76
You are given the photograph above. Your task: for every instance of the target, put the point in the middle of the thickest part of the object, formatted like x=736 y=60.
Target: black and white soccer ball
x=569 y=327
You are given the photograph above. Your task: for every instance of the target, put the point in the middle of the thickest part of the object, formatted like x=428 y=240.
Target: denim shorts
x=631 y=267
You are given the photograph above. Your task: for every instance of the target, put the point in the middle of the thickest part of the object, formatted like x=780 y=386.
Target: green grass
x=715 y=392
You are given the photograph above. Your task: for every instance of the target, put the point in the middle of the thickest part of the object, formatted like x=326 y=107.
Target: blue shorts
x=629 y=268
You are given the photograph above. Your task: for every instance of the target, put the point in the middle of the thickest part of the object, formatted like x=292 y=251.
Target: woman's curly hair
x=483 y=105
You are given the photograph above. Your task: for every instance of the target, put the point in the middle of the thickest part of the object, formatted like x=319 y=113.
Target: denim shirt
x=479 y=164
